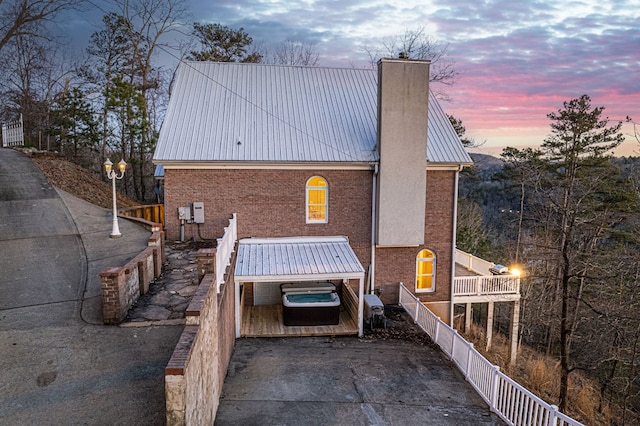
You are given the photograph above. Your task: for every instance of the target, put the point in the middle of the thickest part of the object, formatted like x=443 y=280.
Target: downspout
x=453 y=245
x=374 y=207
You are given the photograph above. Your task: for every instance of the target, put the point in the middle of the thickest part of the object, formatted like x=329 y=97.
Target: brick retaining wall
x=122 y=286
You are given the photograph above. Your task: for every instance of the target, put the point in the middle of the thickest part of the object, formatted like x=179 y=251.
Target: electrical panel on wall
x=184 y=213
x=198 y=212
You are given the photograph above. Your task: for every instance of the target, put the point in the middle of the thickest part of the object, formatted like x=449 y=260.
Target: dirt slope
x=78 y=181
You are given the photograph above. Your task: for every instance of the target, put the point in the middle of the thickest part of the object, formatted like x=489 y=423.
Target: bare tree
x=24 y=17
x=33 y=74
x=294 y=52
x=416 y=44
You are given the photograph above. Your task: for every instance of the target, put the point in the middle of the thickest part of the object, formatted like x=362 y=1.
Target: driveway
x=58 y=363
x=346 y=381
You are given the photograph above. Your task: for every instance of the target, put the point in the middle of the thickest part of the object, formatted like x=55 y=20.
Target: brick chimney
x=403 y=94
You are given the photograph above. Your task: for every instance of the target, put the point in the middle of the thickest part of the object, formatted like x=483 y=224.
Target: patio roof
x=296 y=259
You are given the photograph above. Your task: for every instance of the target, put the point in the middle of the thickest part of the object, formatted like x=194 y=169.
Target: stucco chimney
x=403 y=94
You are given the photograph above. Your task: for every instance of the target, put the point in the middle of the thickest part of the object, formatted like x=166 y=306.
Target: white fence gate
x=13 y=133
x=508 y=399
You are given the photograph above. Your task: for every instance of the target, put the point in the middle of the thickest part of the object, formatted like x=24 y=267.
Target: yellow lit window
x=425 y=271
x=317 y=200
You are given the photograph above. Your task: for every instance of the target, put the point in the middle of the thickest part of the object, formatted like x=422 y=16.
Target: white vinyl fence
x=509 y=400
x=12 y=133
x=224 y=250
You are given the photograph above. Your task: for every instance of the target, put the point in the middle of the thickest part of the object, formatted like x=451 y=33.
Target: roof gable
x=231 y=112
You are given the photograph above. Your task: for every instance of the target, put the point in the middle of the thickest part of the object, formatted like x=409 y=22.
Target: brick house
x=318 y=153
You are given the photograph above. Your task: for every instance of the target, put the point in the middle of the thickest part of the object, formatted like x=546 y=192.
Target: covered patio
x=263 y=264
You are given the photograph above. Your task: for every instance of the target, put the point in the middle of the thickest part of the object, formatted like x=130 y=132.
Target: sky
x=518 y=60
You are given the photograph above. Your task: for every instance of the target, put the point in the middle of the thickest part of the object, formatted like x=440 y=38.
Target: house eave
x=447 y=166
x=268 y=165
x=263 y=165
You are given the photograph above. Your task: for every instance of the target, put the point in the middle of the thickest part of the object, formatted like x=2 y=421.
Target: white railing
x=224 y=250
x=12 y=133
x=508 y=399
x=486 y=285
x=473 y=263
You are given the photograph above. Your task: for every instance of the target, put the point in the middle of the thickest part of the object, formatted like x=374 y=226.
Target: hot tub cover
x=302 y=300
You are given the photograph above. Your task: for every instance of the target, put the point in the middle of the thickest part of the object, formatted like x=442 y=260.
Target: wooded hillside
x=581 y=298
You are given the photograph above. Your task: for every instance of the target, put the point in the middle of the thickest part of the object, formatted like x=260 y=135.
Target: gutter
x=453 y=245
x=374 y=205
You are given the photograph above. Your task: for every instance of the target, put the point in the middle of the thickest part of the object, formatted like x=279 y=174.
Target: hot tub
x=308 y=304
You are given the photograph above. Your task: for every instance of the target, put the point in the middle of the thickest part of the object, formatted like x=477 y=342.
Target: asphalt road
x=58 y=363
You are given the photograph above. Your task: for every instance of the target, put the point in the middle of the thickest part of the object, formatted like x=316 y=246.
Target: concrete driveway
x=59 y=365
x=346 y=381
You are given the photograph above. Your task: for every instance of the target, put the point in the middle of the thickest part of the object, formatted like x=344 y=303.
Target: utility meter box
x=198 y=212
x=184 y=213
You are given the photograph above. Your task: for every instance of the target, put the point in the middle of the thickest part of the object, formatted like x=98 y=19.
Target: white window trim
x=433 y=275
x=306 y=200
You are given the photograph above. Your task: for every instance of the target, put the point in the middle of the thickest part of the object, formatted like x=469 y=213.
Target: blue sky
x=518 y=60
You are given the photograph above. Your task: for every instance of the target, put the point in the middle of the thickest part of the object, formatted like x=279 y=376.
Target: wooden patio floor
x=266 y=321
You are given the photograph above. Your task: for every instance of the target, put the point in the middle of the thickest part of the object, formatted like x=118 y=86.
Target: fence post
x=495 y=380
x=468 y=366
x=453 y=342
x=553 y=418
x=436 y=333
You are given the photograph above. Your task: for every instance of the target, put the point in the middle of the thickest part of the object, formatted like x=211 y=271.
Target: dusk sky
x=518 y=60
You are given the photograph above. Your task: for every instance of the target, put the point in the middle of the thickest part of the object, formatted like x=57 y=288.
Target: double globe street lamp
x=113 y=175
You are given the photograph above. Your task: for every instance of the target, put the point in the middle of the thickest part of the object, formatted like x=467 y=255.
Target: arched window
x=317 y=200
x=425 y=271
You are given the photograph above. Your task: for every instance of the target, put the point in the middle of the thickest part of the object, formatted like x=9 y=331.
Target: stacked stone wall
x=195 y=374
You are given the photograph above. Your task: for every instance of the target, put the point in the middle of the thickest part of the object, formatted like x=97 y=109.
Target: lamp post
x=113 y=175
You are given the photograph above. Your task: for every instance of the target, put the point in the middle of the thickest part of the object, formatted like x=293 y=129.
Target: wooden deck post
x=467 y=317
x=489 y=324
x=513 y=336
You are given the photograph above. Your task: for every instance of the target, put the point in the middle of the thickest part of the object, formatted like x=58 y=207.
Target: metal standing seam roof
x=275 y=259
x=225 y=112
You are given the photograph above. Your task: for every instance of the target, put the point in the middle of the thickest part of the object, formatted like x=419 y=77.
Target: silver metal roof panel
x=296 y=258
x=227 y=112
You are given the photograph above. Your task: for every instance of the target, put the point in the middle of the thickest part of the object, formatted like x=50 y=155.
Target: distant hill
x=486 y=165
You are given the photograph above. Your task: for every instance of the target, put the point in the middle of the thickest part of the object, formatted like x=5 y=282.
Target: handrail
x=508 y=399
x=150 y=212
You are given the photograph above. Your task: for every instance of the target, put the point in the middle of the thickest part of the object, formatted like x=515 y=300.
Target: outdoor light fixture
x=113 y=175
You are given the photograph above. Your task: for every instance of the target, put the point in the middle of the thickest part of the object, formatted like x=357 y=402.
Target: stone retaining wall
x=195 y=373
x=123 y=285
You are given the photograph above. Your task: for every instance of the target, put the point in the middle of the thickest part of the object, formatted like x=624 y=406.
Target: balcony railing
x=484 y=283
x=473 y=263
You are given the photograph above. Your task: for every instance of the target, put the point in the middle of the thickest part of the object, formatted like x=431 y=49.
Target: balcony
x=473 y=283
